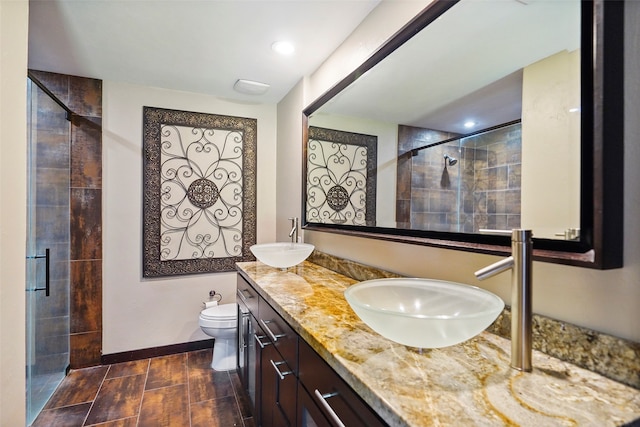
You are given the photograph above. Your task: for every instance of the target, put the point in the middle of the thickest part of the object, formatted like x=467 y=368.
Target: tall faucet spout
x=521 y=263
x=495 y=268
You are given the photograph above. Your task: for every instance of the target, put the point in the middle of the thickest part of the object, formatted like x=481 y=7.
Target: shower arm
x=414 y=151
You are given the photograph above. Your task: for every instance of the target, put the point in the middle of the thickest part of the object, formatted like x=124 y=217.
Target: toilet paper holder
x=214 y=299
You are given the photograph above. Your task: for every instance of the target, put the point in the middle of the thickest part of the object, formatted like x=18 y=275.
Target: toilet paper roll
x=208 y=304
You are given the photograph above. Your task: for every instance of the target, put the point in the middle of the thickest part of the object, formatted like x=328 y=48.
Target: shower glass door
x=469 y=184
x=490 y=178
x=47 y=272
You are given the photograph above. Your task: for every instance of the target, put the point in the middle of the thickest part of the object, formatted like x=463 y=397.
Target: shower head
x=450 y=160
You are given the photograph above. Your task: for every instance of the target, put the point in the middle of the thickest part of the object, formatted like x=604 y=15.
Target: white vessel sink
x=282 y=254
x=424 y=313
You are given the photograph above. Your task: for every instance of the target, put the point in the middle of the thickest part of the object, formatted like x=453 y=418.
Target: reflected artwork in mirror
x=488 y=116
x=341 y=177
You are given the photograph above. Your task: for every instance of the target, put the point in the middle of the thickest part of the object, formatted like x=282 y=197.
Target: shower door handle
x=47 y=280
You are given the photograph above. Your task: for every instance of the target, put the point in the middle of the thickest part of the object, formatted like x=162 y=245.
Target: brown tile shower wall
x=418 y=180
x=496 y=167
x=481 y=191
x=83 y=96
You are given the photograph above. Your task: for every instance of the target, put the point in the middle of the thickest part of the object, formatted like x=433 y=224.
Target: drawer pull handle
x=323 y=400
x=259 y=339
x=241 y=294
x=243 y=310
x=273 y=336
x=280 y=373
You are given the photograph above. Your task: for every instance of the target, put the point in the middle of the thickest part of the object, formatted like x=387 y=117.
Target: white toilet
x=220 y=322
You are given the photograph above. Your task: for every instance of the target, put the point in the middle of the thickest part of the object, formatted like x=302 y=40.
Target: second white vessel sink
x=424 y=313
x=282 y=254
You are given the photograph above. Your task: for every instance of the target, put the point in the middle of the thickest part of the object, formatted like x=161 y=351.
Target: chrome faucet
x=294 y=230
x=521 y=263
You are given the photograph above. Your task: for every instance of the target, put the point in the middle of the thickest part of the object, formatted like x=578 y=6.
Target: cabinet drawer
x=333 y=397
x=284 y=339
x=247 y=295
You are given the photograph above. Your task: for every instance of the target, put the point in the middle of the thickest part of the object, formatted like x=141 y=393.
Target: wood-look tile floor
x=176 y=390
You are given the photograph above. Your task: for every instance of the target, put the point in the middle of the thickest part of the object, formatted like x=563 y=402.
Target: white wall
x=141 y=313
x=289 y=162
x=551 y=145
x=13 y=201
x=381 y=23
x=602 y=300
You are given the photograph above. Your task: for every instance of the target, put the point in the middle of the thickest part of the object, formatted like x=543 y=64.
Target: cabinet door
x=256 y=343
x=336 y=399
x=247 y=295
x=280 y=334
x=244 y=334
x=309 y=415
x=278 y=390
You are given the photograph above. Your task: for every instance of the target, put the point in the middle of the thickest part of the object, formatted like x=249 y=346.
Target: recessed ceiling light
x=251 y=87
x=283 y=47
x=469 y=124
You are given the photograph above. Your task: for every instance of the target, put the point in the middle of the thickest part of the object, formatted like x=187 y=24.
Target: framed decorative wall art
x=199 y=192
x=341 y=177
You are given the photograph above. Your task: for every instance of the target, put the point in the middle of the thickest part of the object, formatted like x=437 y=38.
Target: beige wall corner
x=14 y=18
x=288 y=163
x=551 y=144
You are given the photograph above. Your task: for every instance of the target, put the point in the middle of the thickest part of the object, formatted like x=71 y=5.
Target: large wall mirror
x=477 y=117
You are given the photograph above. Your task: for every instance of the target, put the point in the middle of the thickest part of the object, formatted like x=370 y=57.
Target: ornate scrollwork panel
x=341 y=179
x=199 y=192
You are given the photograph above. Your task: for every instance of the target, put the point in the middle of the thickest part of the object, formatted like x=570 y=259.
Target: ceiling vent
x=251 y=87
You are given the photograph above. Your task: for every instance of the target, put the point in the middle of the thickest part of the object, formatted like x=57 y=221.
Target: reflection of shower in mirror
x=450 y=160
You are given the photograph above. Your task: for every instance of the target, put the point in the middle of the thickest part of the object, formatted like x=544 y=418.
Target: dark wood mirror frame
x=602 y=148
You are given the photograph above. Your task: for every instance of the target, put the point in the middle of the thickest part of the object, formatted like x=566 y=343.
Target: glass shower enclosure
x=47 y=264
x=468 y=183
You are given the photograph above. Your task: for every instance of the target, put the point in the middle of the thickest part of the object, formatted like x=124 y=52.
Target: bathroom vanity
x=306 y=359
x=286 y=380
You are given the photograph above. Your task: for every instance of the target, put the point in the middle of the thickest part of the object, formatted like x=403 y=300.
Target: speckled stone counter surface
x=607 y=355
x=469 y=384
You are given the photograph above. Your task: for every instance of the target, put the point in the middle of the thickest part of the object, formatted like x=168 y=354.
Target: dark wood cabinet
x=328 y=400
x=267 y=364
x=279 y=368
x=309 y=414
x=247 y=295
x=279 y=394
x=288 y=383
x=258 y=344
x=244 y=333
x=250 y=345
x=279 y=333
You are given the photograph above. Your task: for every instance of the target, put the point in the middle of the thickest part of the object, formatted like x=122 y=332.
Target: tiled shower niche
x=476 y=187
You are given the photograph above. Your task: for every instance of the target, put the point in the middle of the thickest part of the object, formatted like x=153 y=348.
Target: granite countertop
x=466 y=384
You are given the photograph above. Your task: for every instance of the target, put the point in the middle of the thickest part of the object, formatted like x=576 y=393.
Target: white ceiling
x=466 y=65
x=204 y=46
x=200 y=46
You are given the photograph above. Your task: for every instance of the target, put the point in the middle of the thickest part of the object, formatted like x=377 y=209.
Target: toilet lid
x=221 y=312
